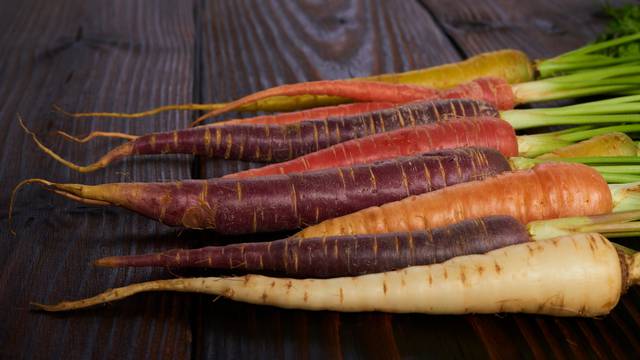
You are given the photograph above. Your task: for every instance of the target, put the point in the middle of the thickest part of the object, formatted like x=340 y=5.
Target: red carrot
x=274 y=143
x=285 y=202
x=343 y=255
x=495 y=91
x=483 y=132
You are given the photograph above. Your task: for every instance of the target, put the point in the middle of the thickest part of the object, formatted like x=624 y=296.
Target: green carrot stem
x=586 y=62
x=597 y=74
x=582 y=56
x=618 y=78
x=612 y=174
x=522 y=120
x=546 y=92
x=625 y=196
x=586 y=134
x=596 y=160
x=616 y=223
x=616 y=110
x=595 y=104
x=620 y=179
x=618 y=169
x=535 y=145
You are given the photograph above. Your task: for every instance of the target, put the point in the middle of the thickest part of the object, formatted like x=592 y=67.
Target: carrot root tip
x=106 y=262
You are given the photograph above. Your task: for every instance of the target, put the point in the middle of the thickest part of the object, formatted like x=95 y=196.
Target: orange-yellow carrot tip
x=95 y=134
x=69 y=191
x=58 y=188
x=154 y=111
x=118 y=152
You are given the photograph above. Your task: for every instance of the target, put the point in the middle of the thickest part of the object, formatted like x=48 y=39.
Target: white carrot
x=578 y=275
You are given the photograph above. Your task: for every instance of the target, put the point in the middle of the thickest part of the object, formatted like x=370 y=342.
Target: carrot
x=483 y=132
x=494 y=91
x=273 y=143
x=578 y=275
x=343 y=255
x=511 y=65
x=291 y=201
x=547 y=191
x=278 y=119
x=336 y=256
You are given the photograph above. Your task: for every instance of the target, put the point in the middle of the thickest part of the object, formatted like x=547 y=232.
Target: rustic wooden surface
x=132 y=55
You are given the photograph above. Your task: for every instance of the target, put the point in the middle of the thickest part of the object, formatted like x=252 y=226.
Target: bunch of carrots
x=409 y=192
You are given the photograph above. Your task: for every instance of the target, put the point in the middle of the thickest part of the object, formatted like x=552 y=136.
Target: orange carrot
x=492 y=90
x=547 y=191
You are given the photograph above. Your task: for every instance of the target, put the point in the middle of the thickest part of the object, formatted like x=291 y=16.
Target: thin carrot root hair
x=137 y=115
x=118 y=152
x=95 y=134
x=60 y=189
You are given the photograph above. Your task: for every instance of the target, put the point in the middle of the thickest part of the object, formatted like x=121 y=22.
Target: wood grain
x=257 y=45
x=133 y=55
x=121 y=55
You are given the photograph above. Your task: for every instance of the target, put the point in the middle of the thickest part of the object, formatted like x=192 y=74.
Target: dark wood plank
x=541 y=28
x=129 y=56
x=120 y=55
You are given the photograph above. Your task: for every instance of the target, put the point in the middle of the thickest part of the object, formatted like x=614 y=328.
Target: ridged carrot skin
x=481 y=132
x=512 y=65
x=494 y=91
x=336 y=256
x=547 y=191
x=291 y=201
x=311 y=114
x=276 y=143
x=577 y=275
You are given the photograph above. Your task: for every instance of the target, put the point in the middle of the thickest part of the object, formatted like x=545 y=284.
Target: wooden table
x=133 y=55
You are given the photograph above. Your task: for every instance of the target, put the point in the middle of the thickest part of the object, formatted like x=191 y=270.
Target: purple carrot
x=290 y=201
x=276 y=143
x=337 y=256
